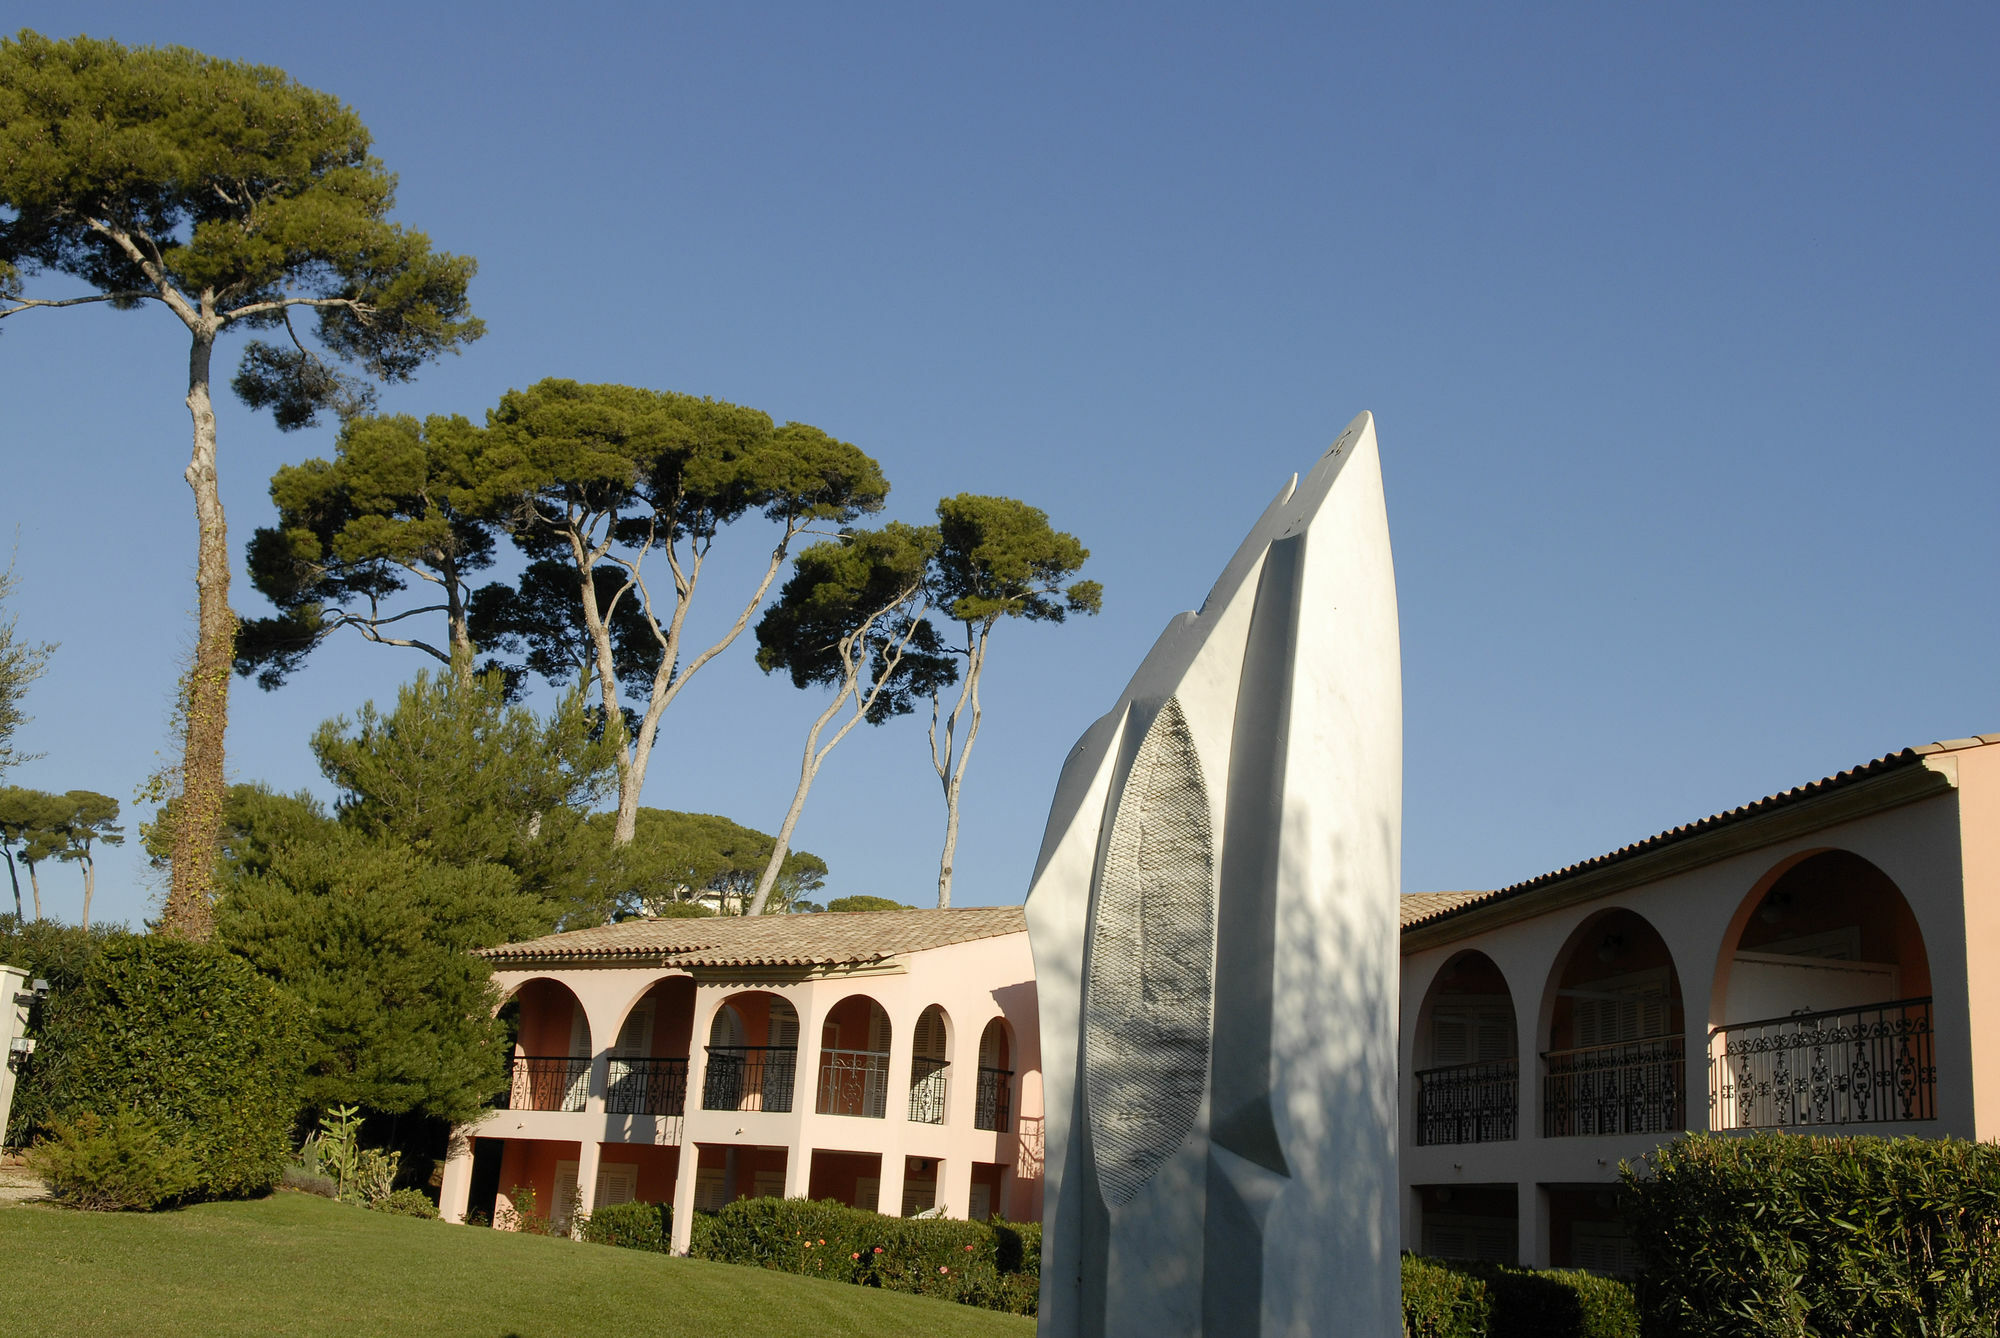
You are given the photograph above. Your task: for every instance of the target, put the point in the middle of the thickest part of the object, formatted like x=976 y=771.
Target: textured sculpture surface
x=1214 y=925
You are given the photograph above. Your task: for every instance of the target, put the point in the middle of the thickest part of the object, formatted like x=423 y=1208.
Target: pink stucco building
x=887 y=1059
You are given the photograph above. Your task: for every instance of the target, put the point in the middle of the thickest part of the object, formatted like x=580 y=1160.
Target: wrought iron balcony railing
x=646 y=1087
x=750 y=1077
x=547 y=1082
x=1468 y=1103
x=1628 y=1087
x=854 y=1082
x=989 y=1110
x=1869 y=1065
x=928 y=1078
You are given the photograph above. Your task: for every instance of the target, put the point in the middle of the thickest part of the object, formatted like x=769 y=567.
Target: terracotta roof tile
x=830 y=938
x=1436 y=905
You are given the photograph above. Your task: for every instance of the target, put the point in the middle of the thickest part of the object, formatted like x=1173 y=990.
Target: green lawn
x=294 y=1264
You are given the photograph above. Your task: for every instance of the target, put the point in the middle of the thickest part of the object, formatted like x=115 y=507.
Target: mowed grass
x=294 y=1264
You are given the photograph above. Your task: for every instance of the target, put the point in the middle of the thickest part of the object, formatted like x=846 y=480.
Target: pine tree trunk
x=975 y=663
x=189 y=911
x=89 y=886
x=35 y=883
x=14 y=876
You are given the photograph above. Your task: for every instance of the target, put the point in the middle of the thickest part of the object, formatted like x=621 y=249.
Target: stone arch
x=930 y=1065
x=1467 y=1055
x=647 y=1069
x=1615 y=1031
x=1821 y=1007
x=993 y=1105
x=854 y=1059
x=752 y=1053
x=550 y=1069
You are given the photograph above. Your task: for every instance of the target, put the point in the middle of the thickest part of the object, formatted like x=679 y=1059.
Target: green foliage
x=630 y=1226
x=21 y=662
x=308 y=1181
x=1442 y=1302
x=942 y=1257
x=459 y=776
x=156 y=173
x=1002 y=559
x=376 y=942
x=63 y=955
x=866 y=903
x=677 y=857
x=406 y=1203
x=399 y=502
x=122 y=1162
x=1789 y=1235
x=193 y=1039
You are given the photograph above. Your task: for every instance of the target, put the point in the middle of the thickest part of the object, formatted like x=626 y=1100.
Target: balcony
x=750 y=1077
x=646 y=1087
x=1628 y=1087
x=547 y=1082
x=928 y=1079
x=989 y=1109
x=854 y=1082
x=1870 y=1065
x=1468 y=1103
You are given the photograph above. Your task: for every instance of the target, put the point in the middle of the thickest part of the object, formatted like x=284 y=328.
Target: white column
x=1533 y=1203
x=589 y=1153
x=891 y=1202
x=685 y=1170
x=798 y=1161
x=13 y=1025
x=455 y=1190
x=954 y=1186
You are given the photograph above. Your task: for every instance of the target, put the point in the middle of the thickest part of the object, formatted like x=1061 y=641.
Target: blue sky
x=1678 y=328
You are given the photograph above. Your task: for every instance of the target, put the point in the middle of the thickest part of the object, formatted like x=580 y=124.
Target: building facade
x=890 y=1060
x=1824 y=960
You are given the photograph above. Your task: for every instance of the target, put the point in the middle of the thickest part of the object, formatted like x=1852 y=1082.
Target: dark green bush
x=406 y=1203
x=942 y=1257
x=189 y=1037
x=1790 y=1235
x=632 y=1226
x=62 y=955
x=308 y=1181
x=119 y=1163
x=1441 y=1302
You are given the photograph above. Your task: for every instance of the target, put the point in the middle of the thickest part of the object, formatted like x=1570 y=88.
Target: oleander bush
x=995 y=1265
x=405 y=1203
x=117 y=1163
x=630 y=1226
x=1445 y=1298
x=1791 y=1235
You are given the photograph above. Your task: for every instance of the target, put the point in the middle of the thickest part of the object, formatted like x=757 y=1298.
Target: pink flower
x=855 y=1255
x=968 y=1249
x=822 y=1242
x=943 y=1269
x=878 y=1249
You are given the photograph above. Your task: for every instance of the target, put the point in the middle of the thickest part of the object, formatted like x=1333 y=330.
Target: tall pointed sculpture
x=1214 y=926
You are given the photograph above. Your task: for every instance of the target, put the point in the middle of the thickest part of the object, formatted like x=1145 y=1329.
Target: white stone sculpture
x=1215 y=934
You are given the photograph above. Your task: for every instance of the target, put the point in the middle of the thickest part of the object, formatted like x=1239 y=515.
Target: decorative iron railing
x=646 y=1087
x=989 y=1109
x=547 y=1082
x=928 y=1079
x=854 y=1082
x=1869 y=1065
x=750 y=1077
x=1468 y=1103
x=1628 y=1087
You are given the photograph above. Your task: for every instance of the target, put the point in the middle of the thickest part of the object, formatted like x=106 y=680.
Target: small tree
x=852 y=618
x=234 y=199
x=683 y=859
x=601 y=477
x=86 y=820
x=1000 y=559
x=398 y=503
x=21 y=663
x=30 y=832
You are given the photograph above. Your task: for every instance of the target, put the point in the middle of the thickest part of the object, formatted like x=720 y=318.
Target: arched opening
x=752 y=1053
x=550 y=1069
x=648 y=1068
x=1467 y=1063
x=992 y=1107
x=1824 y=993
x=854 y=1059
x=1617 y=1056
x=930 y=1064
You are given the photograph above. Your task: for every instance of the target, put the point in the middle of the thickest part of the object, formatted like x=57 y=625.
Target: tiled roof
x=829 y=938
x=1437 y=905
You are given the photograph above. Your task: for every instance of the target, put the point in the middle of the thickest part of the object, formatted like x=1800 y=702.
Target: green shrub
x=62 y=955
x=406 y=1203
x=632 y=1226
x=122 y=1162
x=942 y=1257
x=1791 y=1235
x=193 y=1039
x=309 y=1181
x=1441 y=1302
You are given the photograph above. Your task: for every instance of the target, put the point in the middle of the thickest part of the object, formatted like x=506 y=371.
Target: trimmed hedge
x=995 y=1265
x=630 y=1226
x=185 y=1035
x=1449 y=1299
x=1791 y=1235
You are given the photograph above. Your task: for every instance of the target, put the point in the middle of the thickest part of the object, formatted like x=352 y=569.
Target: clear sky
x=1679 y=330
